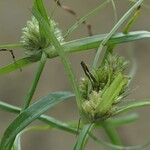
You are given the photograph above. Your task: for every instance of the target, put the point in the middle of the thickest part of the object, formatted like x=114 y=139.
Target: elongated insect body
x=108 y=85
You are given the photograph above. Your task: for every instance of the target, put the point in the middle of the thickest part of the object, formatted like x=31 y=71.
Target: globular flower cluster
x=103 y=88
x=32 y=40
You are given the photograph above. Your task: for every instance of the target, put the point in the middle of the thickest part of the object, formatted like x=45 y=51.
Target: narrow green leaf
x=143 y=4
x=17 y=143
x=112 y=133
x=115 y=11
x=44 y=118
x=132 y=105
x=132 y=21
x=17 y=65
x=35 y=81
x=111 y=93
x=116 y=122
x=52 y=122
x=9 y=107
x=84 y=18
x=123 y=120
x=40 y=7
x=77 y=46
x=82 y=139
x=29 y=115
x=114 y=29
x=10 y=46
x=109 y=146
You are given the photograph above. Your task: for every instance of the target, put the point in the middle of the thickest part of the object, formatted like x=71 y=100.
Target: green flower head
x=31 y=37
x=103 y=88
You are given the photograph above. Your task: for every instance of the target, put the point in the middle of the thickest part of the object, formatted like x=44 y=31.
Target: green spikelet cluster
x=32 y=40
x=106 y=90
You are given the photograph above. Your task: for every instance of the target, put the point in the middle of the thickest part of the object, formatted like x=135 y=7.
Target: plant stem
x=83 y=137
x=111 y=133
x=114 y=122
x=31 y=91
x=10 y=46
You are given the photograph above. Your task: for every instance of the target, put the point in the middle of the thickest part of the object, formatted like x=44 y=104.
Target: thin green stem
x=83 y=137
x=132 y=106
x=10 y=46
x=114 y=10
x=66 y=127
x=31 y=91
x=132 y=21
x=112 y=133
x=84 y=18
x=116 y=122
x=79 y=45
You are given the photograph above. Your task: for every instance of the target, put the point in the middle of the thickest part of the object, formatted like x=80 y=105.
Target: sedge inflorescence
x=32 y=39
x=103 y=88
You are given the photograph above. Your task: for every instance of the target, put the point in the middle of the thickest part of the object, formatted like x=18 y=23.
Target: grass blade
x=132 y=105
x=112 y=133
x=109 y=146
x=53 y=123
x=20 y=64
x=123 y=120
x=84 y=18
x=29 y=115
x=114 y=10
x=44 y=118
x=78 y=46
x=82 y=139
x=116 y=122
x=10 y=46
x=114 y=29
x=35 y=81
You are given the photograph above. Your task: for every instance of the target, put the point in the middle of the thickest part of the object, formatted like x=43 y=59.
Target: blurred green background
x=14 y=86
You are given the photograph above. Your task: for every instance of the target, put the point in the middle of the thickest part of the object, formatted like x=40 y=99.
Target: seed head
x=32 y=40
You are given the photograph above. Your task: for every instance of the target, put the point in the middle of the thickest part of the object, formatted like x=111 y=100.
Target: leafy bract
x=29 y=115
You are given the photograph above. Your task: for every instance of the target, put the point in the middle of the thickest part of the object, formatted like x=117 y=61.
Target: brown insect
x=90 y=76
x=72 y=12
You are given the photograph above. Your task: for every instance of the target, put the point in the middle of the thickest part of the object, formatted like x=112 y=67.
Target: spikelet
x=31 y=38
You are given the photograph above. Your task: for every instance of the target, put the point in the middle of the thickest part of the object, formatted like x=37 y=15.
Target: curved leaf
x=11 y=46
x=79 y=45
x=16 y=65
x=71 y=128
x=84 y=18
x=44 y=118
x=109 y=146
x=114 y=30
x=123 y=120
x=132 y=105
x=17 y=142
x=29 y=115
